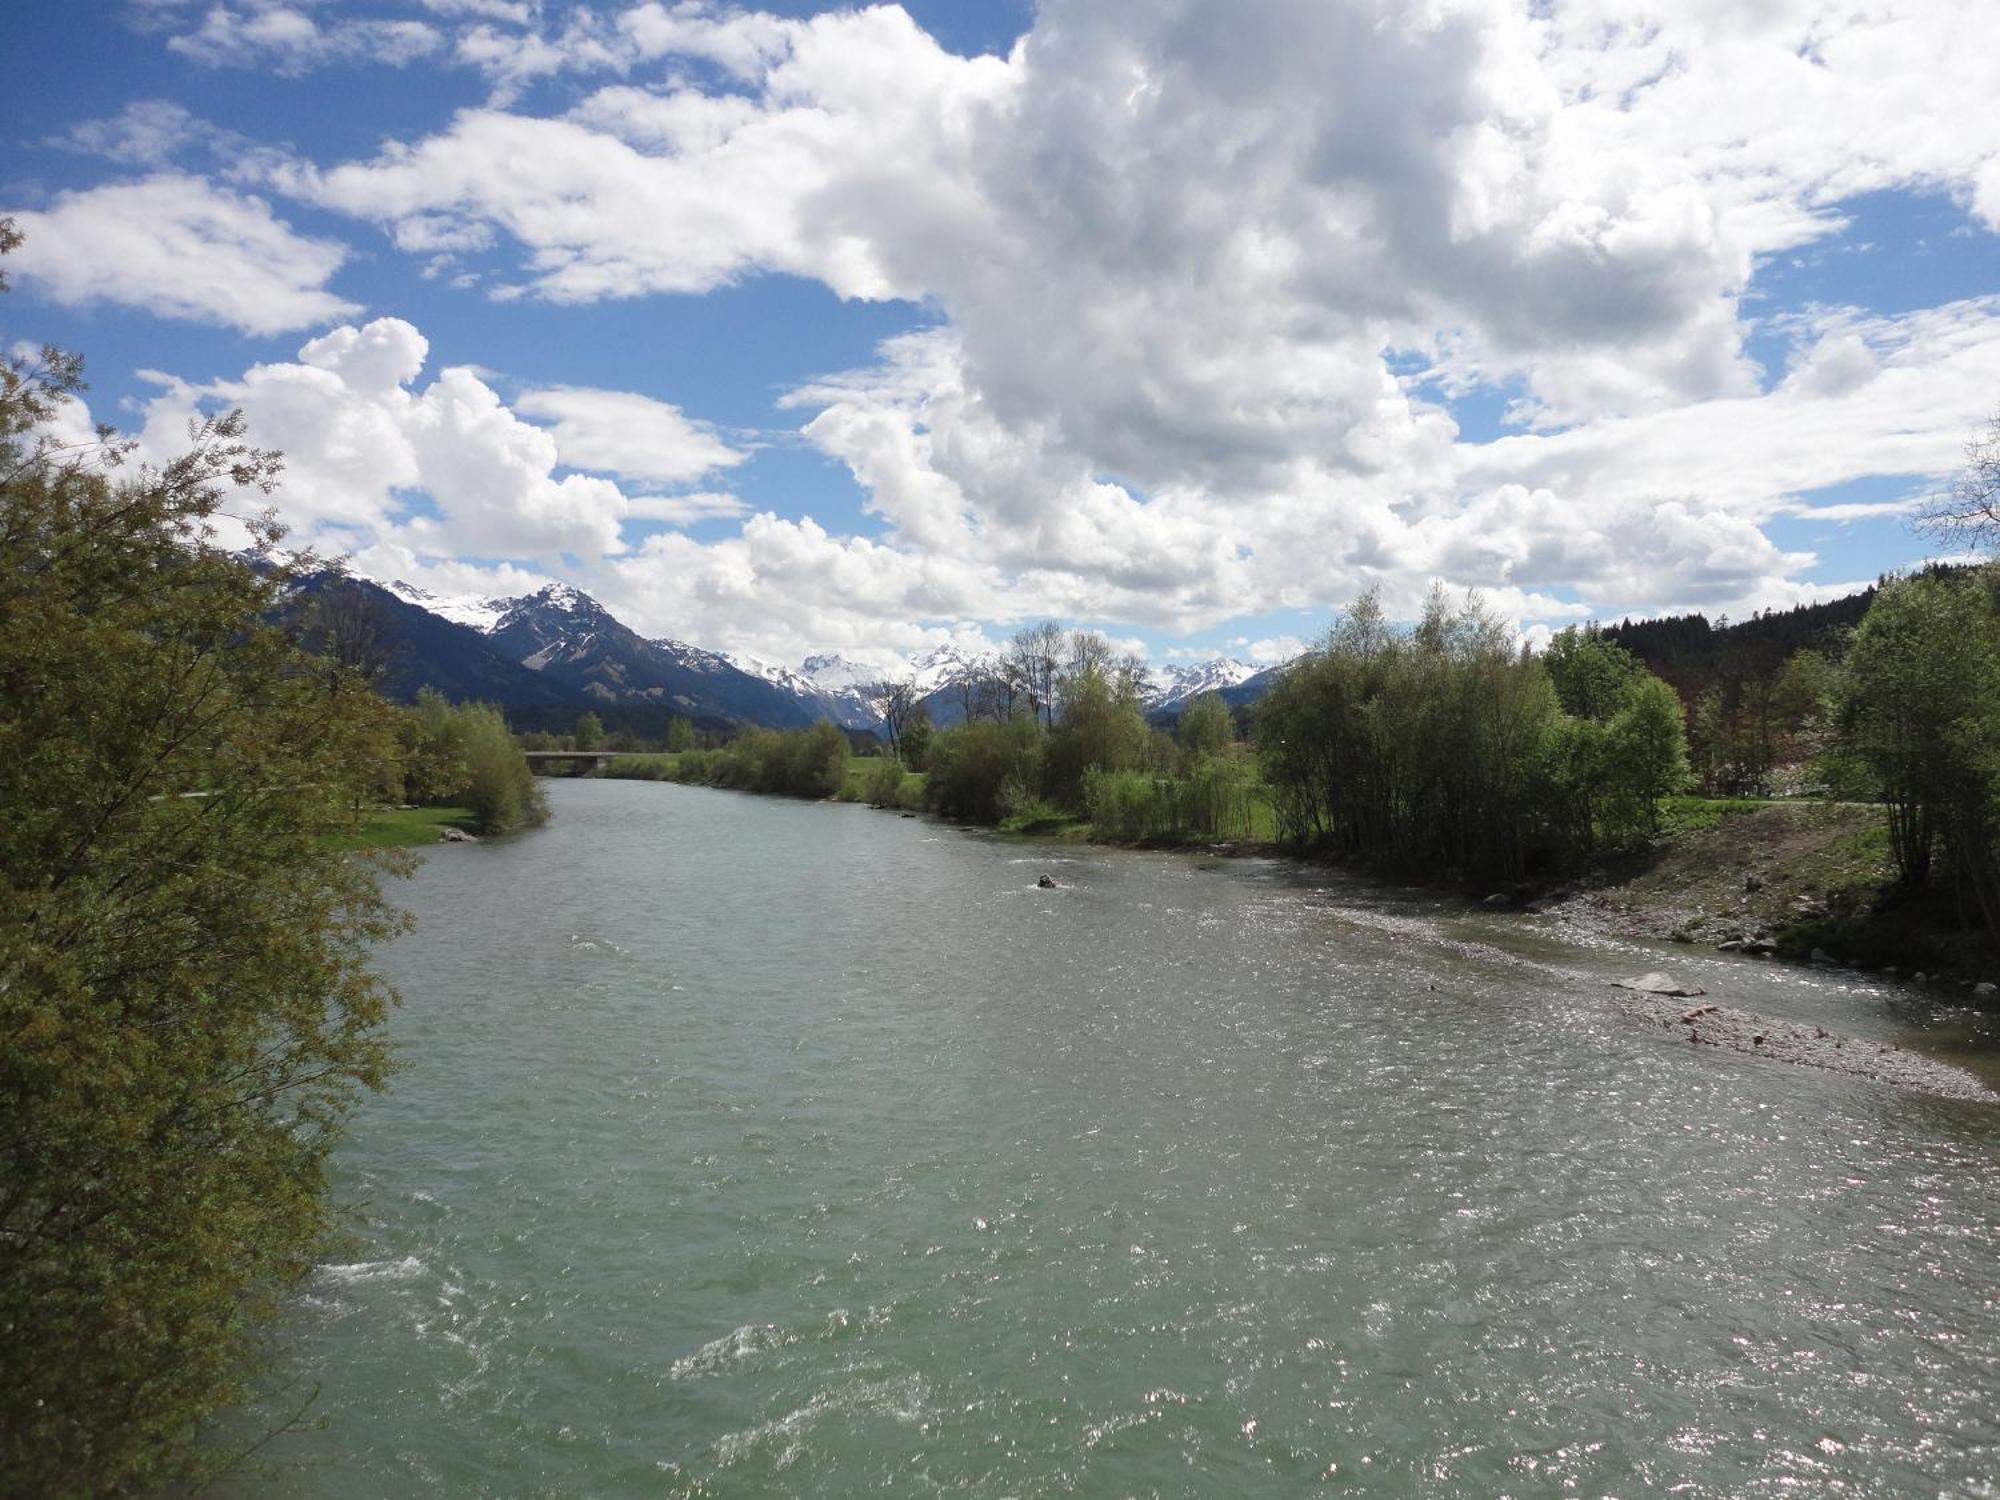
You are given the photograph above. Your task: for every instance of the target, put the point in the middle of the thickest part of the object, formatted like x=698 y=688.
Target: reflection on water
x=752 y=1148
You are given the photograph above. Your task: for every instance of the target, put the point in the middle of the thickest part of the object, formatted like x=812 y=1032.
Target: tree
x=349 y=629
x=589 y=731
x=1648 y=741
x=185 y=1001
x=894 y=700
x=1205 y=727
x=1590 y=673
x=917 y=740
x=1033 y=664
x=1918 y=718
x=1968 y=511
x=486 y=771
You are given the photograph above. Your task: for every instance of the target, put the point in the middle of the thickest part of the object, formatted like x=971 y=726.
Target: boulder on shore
x=1659 y=984
x=456 y=836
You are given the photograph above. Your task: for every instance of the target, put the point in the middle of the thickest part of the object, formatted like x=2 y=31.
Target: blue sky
x=953 y=316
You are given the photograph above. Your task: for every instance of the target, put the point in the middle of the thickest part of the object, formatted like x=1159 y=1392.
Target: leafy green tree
x=916 y=746
x=1648 y=747
x=1424 y=749
x=978 y=768
x=1590 y=673
x=1101 y=728
x=680 y=735
x=588 y=733
x=482 y=767
x=185 y=1002
x=1205 y=727
x=885 y=784
x=1918 y=721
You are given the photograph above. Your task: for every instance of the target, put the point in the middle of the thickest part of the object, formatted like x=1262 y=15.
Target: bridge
x=570 y=762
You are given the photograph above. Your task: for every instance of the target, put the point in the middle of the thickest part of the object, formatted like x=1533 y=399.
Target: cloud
x=1206 y=282
x=285 y=38
x=620 y=432
x=181 y=247
x=361 y=442
x=513 y=12
x=147 y=133
x=1269 y=651
x=686 y=510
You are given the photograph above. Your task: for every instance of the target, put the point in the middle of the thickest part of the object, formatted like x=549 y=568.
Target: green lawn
x=1692 y=814
x=403 y=827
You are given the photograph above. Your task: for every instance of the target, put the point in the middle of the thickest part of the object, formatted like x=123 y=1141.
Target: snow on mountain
x=944 y=665
x=829 y=682
x=831 y=672
x=1168 y=686
x=461 y=609
x=561 y=630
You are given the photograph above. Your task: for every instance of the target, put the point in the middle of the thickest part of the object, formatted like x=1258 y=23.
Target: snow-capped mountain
x=947 y=665
x=578 y=652
x=830 y=682
x=461 y=609
x=570 y=640
x=1167 y=687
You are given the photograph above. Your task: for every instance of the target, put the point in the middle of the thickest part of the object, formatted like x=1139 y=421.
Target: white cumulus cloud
x=181 y=247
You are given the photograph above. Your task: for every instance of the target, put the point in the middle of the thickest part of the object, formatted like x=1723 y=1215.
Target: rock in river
x=1659 y=984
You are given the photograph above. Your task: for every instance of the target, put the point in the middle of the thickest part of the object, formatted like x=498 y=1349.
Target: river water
x=754 y=1148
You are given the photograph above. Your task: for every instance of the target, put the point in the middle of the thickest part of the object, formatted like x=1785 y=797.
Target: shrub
x=984 y=770
x=885 y=784
x=474 y=763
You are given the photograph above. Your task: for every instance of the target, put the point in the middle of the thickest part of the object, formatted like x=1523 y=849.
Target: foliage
x=885 y=783
x=589 y=732
x=1445 y=749
x=1212 y=799
x=794 y=763
x=1590 y=673
x=1102 y=727
x=916 y=741
x=184 y=998
x=473 y=762
x=1918 y=721
x=1205 y=728
x=982 y=769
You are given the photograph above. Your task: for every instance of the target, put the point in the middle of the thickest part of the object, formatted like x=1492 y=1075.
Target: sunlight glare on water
x=754 y=1148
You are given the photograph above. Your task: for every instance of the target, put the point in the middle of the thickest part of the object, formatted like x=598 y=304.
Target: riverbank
x=1772 y=878
x=405 y=827
x=1800 y=881
x=1706 y=1022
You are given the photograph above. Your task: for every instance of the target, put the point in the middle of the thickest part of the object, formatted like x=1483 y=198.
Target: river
x=746 y=1147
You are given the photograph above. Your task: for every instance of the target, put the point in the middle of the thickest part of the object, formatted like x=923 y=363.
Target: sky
x=796 y=329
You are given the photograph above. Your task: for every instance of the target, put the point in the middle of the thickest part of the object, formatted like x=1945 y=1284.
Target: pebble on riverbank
x=1809 y=1046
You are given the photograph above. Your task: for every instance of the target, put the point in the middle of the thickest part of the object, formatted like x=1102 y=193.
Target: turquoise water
x=754 y=1148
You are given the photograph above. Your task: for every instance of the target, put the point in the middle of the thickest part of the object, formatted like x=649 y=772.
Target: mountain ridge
x=559 y=645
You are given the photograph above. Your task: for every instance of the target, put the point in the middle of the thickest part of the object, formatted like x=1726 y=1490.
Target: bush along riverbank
x=1446 y=754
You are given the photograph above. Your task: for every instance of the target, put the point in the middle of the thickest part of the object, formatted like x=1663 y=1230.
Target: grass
x=1680 y=815
x=402 y=827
